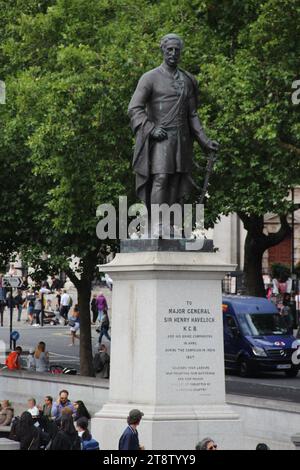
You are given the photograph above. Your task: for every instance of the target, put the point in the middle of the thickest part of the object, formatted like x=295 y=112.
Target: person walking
x=130 y=438
x=37 y=308
x=94 y=309
x=74 y=323
x=67 y=438
x=2 y=300
x=41 y=357
x=30 y=299
x=19 y=302
x=65 y=304
x=101 y=305
x=104 y=327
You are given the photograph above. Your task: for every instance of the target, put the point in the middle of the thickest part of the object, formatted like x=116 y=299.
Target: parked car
x=256 y=338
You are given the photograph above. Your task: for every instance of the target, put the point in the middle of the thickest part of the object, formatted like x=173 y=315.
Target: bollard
x=8 y=444
x=296 y=440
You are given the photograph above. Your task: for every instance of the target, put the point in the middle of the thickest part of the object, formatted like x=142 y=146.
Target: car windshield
x=262 y=324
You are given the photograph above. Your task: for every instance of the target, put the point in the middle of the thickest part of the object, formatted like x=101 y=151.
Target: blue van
x=255 y=338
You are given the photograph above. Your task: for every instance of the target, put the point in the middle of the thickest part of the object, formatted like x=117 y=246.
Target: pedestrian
x=65 y=304
x=6 y=413
x=30 y=299
x=206 y=444
x=24 y=286
x=27 y=433
x=41 y=357
x=67 y=437
x=101 y=362
x=130 y=438
x=94 y=309
x=101 y=305
x=37 y=308
x=2 y=299
x=30 y=361
x=19 y=302
x=81 y=410
x=104 y=326
x=10 y=301
x=74 y=323
x=13 y=360
x=58 y=299
x=286 y=316
x=61 y=403
x=87 y=441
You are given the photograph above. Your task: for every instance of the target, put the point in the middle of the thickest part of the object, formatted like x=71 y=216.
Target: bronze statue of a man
x=163 y=113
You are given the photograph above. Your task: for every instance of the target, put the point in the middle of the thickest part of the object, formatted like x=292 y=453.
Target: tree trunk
x=253 y=267
x=255 y=245
x=86 y=352
x=84 y=289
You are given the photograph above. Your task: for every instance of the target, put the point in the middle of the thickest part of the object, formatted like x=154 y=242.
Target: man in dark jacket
x=130 y=438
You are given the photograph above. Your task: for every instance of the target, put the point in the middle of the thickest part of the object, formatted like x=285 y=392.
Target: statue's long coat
x=168 y=101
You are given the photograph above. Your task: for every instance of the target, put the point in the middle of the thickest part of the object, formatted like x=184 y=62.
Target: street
x=56 y=337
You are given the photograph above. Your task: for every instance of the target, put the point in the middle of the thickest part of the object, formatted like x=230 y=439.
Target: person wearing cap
x=130 y=438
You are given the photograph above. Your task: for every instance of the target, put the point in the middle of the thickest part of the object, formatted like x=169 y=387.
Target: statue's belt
x=178 y=127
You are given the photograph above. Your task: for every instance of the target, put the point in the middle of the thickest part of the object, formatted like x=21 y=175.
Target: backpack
x=70 y=301
x=92 y=444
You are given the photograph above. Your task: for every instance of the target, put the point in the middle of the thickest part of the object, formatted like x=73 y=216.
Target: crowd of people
x=52 y=425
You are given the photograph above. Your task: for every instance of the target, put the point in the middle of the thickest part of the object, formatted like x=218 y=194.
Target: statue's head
x=171 y=46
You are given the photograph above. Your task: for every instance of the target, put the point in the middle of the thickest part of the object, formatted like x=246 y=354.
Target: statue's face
x=171 y=52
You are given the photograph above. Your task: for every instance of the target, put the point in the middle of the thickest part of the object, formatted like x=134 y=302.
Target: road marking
x=62 y=355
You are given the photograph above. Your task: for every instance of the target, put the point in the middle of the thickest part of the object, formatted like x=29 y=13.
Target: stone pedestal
x=167 y=355
x=296 y=441
x=8 y=444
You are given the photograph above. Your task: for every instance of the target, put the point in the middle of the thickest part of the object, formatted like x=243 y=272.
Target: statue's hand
x=158 y=133
x=212 y=145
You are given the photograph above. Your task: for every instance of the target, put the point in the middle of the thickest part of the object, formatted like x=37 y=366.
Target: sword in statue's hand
x=211 y=160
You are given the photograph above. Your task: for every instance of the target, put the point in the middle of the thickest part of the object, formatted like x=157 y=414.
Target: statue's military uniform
x=167 y=100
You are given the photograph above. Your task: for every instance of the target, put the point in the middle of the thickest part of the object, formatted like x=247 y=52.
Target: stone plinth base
x=167 y=356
